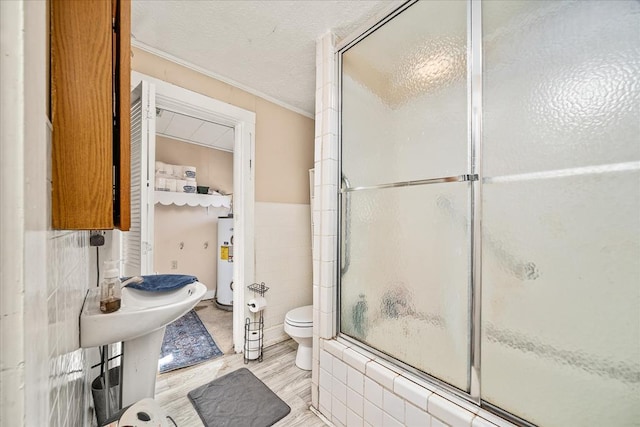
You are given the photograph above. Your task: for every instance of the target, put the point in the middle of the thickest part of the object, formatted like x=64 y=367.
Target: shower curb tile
x=381 y=374
x=481 y=422
x=449 y=412
x=493 y=419
x=355 y=359
x=412 y=392
x=334 y=347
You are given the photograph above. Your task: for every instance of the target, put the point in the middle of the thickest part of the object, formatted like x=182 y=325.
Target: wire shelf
x=259 y=288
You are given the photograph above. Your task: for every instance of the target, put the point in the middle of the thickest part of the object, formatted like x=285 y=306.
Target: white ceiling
x=190 y=129
x=266 y=47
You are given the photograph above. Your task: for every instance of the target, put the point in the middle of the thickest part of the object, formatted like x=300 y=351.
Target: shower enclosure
x=490 y=203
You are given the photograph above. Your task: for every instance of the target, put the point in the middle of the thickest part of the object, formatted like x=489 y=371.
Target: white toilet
x=298 y=324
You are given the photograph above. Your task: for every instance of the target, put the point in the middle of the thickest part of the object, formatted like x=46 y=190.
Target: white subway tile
x=327 y=299
x=340 y=370
x=329 y=195
x=353 y=419
x=355 y=359
x=326 y=361
x=449 y=412
x=329 y=171
x=389 y=421
x=339 y=390
x=372 y=414
x=326 y=380
x=328 y=271
x=328 y=253
x=355 y=379
x=381 y=374
x=411 y=391
x=481 y=422
x=339 y=410
x=324 y=397
x=393 y=405
x=416 y=417
x=355 y=401
x=317 y=148
x=373 y=392
x=329 y=223
x=334 y=347
x=326 y=325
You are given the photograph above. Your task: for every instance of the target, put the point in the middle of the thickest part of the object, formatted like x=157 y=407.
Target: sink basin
x=141 y=312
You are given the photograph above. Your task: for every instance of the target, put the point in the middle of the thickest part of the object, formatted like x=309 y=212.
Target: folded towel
x=161 y=282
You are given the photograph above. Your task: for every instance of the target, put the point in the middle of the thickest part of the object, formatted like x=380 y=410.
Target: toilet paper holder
x=254 y=329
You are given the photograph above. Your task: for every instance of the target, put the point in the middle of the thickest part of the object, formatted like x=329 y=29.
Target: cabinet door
x=90 y=155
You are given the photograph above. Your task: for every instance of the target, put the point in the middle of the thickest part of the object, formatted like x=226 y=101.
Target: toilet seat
x=301 y=317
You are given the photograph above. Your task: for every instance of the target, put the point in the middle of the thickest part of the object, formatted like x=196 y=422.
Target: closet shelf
x=167 y=198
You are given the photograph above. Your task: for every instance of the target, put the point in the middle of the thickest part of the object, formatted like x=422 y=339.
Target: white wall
x=283 y=261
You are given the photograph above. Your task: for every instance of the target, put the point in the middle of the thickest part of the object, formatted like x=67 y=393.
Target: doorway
x=165 y=96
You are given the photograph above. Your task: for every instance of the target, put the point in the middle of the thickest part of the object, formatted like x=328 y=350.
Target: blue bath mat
x=186 y=343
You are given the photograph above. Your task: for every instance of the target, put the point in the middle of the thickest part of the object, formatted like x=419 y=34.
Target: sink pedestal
x=140 y=366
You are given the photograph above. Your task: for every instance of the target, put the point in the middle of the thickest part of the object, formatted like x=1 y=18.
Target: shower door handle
x=346 y=186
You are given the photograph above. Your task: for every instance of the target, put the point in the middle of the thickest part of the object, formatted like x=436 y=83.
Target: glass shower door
x=406 y=199
x=561 y=202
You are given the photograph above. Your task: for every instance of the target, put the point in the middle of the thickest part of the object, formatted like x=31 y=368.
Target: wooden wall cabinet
x=90 y=112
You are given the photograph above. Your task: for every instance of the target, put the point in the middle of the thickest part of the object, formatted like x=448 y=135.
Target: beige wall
x=284 y=139
x=186 y=234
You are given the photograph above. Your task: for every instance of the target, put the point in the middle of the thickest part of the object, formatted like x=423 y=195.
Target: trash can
x=100 y=395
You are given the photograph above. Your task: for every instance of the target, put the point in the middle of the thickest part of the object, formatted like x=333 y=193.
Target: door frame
x=181 y=100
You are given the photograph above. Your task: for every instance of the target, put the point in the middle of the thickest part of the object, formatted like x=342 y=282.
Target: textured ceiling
x=265 y=46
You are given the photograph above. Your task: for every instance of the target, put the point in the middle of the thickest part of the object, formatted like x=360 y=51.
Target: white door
x=138 y=241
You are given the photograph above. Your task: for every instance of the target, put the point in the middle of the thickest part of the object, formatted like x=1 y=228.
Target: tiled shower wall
x=67 y=282
x=350 y=386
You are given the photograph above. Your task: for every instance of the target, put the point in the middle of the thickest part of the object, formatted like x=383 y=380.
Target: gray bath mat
x=238 y=399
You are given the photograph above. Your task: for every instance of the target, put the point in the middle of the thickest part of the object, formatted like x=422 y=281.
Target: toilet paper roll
x=257 y=304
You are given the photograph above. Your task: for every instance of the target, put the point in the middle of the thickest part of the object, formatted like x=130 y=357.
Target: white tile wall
x=375 y=395
x=68 y=279
x=283 y=254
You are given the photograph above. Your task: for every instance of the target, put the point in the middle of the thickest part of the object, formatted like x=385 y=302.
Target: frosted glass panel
x=404 y=98
x=561 y=203
x=405 y=291
x=561 y=84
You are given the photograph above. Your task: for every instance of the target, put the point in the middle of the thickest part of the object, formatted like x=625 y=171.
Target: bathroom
x=54 y=379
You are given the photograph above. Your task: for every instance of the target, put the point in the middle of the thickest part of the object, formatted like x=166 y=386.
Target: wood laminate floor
x=277 y=370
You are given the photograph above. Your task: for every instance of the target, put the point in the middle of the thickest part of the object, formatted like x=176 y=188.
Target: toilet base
x=304 y=357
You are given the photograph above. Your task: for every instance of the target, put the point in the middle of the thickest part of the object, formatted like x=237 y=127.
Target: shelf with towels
x=167 y=198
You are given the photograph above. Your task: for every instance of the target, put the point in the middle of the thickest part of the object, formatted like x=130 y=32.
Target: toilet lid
x=301 y=316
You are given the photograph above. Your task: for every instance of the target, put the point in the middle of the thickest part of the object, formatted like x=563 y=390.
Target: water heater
x=224 y=287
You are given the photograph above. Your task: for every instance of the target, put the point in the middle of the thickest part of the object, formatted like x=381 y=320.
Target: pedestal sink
x=139 y=325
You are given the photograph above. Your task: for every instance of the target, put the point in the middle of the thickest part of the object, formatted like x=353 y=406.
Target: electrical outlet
x=174 y=265
x=96 y=238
